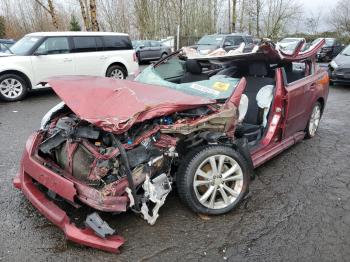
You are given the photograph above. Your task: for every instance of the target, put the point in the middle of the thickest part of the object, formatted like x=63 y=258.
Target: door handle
x=67 y=59
x=313 y=87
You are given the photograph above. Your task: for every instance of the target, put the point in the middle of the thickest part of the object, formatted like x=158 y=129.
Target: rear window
x=119 y=42
x=84 y=44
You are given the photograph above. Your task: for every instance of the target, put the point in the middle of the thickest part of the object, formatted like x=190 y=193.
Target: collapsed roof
x=266 y=51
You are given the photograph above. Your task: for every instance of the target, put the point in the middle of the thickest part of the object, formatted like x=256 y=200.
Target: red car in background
x=114 y=145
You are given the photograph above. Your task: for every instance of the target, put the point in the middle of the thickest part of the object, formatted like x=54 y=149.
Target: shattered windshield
x=218 y=88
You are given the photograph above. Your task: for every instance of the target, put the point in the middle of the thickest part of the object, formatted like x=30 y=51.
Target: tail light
x=134 y=56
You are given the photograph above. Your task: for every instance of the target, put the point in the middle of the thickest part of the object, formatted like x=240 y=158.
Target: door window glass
x=119 y=42
x=238 y=40
x=155 y=44
x=147 y=43
x=99 y=43
x=84 y=44
x=297 y=70
x=229 y=41
x=54 y=45
x=249 y=40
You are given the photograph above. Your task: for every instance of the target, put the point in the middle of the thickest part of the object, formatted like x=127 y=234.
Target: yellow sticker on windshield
x=220 y=86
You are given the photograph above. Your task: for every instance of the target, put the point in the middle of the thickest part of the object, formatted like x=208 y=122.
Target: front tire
x=12 y=87
x=213 y=179
x=314 y=121
x=117 y=72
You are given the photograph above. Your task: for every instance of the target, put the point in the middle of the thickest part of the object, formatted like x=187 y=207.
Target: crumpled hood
x=115 y=105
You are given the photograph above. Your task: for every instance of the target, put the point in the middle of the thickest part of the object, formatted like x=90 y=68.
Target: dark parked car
x=331 y=49
x=5 y=44
x=147 y=50
x=117 y=145
x=228 y=42
x=339 y=67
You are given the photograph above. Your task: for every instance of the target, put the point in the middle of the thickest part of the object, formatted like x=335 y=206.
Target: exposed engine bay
x=135 y=167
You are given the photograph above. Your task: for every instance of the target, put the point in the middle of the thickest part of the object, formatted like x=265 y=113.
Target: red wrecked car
x=202 y=122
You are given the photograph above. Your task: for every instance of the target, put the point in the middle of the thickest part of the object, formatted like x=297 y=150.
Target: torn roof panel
x=267 y=51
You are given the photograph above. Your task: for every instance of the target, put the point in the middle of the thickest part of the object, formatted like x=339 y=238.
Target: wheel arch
x=322 y=102
x=19 y=73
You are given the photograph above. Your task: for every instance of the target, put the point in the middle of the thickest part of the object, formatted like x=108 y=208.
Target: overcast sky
x=315 y=6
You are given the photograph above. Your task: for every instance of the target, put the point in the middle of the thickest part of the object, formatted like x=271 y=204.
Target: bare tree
x=312 y=23
x=278 y=14
x=51 y=10
x=242 y=15
x=85 y=14
x=234 y=15
x=340 y=16
x=258 y=10
x=93 y=15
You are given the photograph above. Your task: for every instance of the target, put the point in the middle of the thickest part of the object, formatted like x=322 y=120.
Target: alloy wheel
x=11 y=88
x=218 y=181
x=314 y=120
x=117 y=74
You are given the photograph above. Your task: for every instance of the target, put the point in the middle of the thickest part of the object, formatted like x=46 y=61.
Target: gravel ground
x=298 y=209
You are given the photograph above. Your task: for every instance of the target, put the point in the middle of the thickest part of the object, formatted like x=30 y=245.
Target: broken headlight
x=49 y=114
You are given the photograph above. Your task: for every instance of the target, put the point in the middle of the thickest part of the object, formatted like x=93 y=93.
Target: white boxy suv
x=38 y=56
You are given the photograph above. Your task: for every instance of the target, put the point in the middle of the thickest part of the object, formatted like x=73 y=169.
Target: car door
x=298 y=85
x=156 y=49
x=88 y=55
x=145 y=51
x=52 y=58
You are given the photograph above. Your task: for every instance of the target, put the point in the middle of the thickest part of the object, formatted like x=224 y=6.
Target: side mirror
x=227 y=44
x=141 y=46
x=39 y=53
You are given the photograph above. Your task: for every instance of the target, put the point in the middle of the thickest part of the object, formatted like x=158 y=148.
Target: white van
x=38 y=56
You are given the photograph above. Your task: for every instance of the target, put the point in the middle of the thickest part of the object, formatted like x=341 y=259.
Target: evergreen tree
x=74 y=24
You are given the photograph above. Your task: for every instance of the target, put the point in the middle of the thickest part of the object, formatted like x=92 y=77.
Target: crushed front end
x=88 y=164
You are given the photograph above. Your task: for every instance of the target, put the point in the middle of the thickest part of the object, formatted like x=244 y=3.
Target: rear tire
x=12 y=87
x=314 y=121
x=209 y=190
x=116 y=71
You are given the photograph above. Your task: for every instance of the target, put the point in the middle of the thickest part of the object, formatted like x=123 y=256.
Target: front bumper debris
x=31 y=170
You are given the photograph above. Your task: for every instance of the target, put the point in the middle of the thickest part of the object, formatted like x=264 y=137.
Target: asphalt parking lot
x=298 y=208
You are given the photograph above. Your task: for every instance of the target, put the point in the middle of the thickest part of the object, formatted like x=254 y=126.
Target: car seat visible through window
x=193 y=72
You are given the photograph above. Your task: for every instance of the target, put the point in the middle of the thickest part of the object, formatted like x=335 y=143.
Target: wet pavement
x=298 y=209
